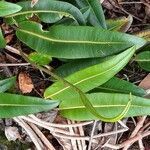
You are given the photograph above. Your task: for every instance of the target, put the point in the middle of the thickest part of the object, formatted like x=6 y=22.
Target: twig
x=60 y=125
x=136 y=130
x=13 y=64
x=30 y=132
x=13 y=50
x=130 y=3
x=130 y=141
x=81 y=132
x=92 y=134
x=73 y=142
x=42 y=137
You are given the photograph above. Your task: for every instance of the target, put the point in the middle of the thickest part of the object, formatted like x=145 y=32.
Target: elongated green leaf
x=143 y=60
x=8 y=8
x=75 y=41
x=96 y=17
x=107 y=104
x=116 y=85
x=2 y=40
x=12 y=105
x=113 y=85
x=49 y=11
x=90 y=77
x=7 y=84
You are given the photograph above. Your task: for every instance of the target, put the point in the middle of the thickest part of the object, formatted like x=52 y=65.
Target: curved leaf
x=7 y=8
x=113 y=85
x=49 y=11
x=120 y=24
x=2 y=40
x=143 y=60
x=107 y=104
x=7 y=84
x=75 y=41
x=89 y=77
x=12 y=105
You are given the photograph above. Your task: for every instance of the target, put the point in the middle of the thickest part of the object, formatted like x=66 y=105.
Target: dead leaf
x=25 y=83
x=12 y=133
x=145 y=83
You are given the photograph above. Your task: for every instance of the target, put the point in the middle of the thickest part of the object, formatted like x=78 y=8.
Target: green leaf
x=113 y=85
x=49 y=11
x=40 y=59
x=107 y=104
x=2 y=40
x=75 y=41
x=7 y=8
x=12 y=105
x=96 y=17
x=7 y=84
x=90 y=77
x=116 y=85
x=120 y=24
x=143 y=60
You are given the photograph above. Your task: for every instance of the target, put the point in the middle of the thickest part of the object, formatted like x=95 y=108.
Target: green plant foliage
x=49 y=11
x=2 y=40
x=107 y=104
x=96 y=16
x=90 y=77
x=75 y=41
x=40 y=59
x=143 y=60
x=6 y=84
x=116 y=85
x=7 y=8
x=15 y=105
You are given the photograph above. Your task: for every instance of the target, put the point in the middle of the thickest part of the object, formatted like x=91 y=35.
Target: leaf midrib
x=68 y=41
x=40 y=11
x=19 y=105
x=100 y=106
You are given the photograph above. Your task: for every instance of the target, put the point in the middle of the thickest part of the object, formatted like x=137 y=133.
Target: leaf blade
x=71 y=42
x=7 y=8
x=107 y=104
x=7 y=84
x=90 y=77
x=12 y=105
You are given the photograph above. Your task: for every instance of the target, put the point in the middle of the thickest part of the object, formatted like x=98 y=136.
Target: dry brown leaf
x=145 y=83
x=25 y=83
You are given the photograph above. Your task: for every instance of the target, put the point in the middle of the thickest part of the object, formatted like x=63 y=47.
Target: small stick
x=42 y=137
x=13 y=50
x=136 y=130
x=13 y=64
x=60 y=125
x=81 y=132
x=92 y=134
x=30 y=132
x=73 y=142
